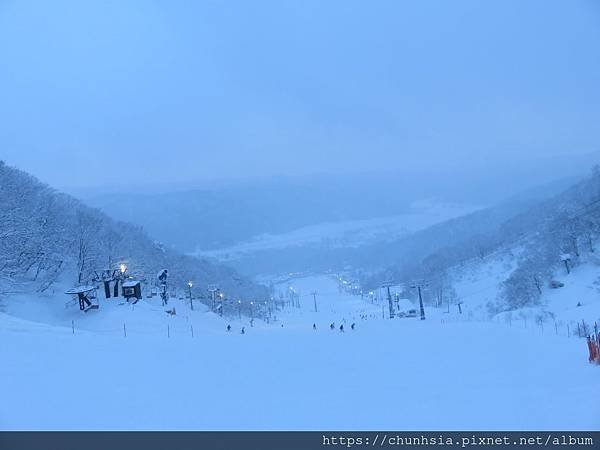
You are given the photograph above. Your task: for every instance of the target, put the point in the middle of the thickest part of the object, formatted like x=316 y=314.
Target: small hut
x=132 y=289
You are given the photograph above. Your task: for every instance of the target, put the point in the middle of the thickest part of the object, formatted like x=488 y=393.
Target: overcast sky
x=196 y=90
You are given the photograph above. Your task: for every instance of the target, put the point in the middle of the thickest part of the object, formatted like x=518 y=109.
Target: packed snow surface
x=445 y=372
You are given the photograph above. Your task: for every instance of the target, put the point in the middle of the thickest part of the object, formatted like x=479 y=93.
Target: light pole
x=240 y=309
x=213 y=294
x=314 y=294
x=221 y=296
x=189 y=285
x=121 y=278
x=252 y=310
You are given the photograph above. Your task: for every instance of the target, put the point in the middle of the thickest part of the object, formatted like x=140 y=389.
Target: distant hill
x=535 y=239
x=424 y=231
x=221 y=215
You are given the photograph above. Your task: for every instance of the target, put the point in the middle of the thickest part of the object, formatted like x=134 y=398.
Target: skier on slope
x=228 y=328
x=353 y=325
x=314 y=326
x=332 y=326
x=243 y=330
x=342 y=328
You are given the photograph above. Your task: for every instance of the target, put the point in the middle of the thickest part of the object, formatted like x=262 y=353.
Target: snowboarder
x=243 y=330
x=353 y=325
x=228 y=328
x=342 y=328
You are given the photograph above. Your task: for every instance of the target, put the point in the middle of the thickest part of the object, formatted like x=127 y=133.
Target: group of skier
x=331 y=326
x=341 y=328
x=243 y=331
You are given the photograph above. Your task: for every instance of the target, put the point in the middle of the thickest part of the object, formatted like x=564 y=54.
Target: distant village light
x=123 y=268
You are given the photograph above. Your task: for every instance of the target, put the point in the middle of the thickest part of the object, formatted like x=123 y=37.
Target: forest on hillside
x=48 y=237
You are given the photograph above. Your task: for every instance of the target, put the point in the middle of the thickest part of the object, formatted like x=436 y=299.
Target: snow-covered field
x=441 y=373
x=350 y=233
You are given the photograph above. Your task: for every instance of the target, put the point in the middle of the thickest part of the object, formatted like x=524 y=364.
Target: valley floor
x=386 y=374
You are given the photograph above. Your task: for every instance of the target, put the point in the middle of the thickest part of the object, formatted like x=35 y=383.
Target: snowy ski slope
x=386 y=374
